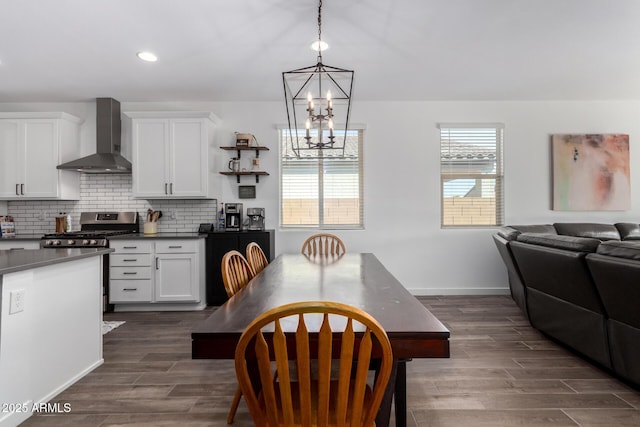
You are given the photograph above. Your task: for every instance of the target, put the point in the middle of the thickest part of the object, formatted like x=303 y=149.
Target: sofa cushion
x=628 y=249
x=628 y=230
x=511 y=232
x=571 y=243
x=585 y=229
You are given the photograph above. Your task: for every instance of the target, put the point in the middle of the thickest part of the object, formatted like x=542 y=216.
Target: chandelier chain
x=319 y=29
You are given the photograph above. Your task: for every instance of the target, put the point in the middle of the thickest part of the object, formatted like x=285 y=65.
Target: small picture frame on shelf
x=246 y=191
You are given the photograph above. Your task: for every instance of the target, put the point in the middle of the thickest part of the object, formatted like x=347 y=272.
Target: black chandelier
x=318 y=98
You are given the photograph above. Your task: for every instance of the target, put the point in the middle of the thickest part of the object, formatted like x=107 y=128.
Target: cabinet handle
x=17 y=189
x=171 y=188
x=22 y=189
x=130 y=289
x=156 y=263
x=175 y=247
x=165 y=188
x=129 y=247
x=130 y=260
x=130 y=272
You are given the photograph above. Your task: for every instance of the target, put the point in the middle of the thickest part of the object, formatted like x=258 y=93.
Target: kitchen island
x=50 y=325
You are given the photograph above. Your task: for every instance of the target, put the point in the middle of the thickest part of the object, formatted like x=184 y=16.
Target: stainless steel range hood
x=108 y=137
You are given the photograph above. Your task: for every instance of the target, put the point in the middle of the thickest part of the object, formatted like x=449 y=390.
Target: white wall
x=401 y=178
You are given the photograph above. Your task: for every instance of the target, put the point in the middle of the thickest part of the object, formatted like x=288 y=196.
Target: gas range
x=95 y=230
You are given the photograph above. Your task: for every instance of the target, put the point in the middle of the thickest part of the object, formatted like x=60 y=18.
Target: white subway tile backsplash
x=100 y=192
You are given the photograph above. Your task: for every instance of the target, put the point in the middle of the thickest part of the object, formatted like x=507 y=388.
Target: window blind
x=322 y=188
x=471 y=174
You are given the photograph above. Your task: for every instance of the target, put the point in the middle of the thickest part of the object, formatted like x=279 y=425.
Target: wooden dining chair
x=256 y=257
x=323 y=244
x=313 y=398
x=236 y=273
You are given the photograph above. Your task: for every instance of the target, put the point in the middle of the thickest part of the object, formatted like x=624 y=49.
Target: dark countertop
x=159 y=236
x=13 y=261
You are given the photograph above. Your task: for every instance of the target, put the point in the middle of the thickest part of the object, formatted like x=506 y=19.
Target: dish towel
x=108 y=326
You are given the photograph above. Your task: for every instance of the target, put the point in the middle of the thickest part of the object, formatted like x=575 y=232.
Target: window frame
x=497 y=177
x=282 y=132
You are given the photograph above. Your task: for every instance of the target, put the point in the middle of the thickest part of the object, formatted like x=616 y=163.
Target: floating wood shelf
x=257 y=174
x=257 y=149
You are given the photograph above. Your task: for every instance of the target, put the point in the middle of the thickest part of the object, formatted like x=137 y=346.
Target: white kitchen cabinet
x=157 y=274
x=31 y=146
x=177 y=271
x=130 y=272
x=172 y=155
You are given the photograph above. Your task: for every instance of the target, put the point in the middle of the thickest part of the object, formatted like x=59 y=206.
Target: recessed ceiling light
x=147 y=56
x=319 y=46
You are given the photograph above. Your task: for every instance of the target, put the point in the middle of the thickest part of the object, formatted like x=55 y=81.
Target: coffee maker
x=233 y=216
x=256 y=219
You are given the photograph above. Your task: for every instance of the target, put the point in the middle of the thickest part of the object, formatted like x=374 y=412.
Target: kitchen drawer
x=134 y=273
x=176 y=246
x=130 y=260
x=130 y=291
x=131 y=246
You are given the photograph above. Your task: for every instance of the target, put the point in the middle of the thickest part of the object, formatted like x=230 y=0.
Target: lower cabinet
x=177 y=271
x=157 y=272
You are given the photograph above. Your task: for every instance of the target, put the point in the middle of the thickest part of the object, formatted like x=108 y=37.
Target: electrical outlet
x=173 y=215
x=41 y=215
x=16 y=301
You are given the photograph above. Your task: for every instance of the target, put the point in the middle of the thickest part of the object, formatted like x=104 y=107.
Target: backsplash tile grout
x=102 y=192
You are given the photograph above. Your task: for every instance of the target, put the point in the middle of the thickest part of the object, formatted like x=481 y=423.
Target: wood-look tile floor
x=501 y=372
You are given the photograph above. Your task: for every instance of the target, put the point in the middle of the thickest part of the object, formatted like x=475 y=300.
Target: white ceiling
x=222 y=50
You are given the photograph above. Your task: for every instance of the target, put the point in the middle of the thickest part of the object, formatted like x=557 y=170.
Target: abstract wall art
x=591 y=172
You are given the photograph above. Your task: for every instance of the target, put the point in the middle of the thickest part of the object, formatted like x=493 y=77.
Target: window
x=321 y=188
x=471 y=175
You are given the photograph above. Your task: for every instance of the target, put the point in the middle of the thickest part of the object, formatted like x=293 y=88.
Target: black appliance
x=233 y=216
x=95 y=230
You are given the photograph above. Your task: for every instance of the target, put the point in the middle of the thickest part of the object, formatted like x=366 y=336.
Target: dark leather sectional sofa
x=580 y=284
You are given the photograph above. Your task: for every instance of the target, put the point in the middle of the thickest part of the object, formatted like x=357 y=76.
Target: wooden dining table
x=357 y=279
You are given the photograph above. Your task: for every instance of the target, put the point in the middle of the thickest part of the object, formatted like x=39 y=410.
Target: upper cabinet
x=31 y=146
x=172 y=155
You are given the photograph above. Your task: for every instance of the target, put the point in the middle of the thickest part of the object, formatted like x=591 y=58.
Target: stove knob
x=49 y=242
x=93 y=242
x=85 y=242
x=56 y=243
x=71 y=242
